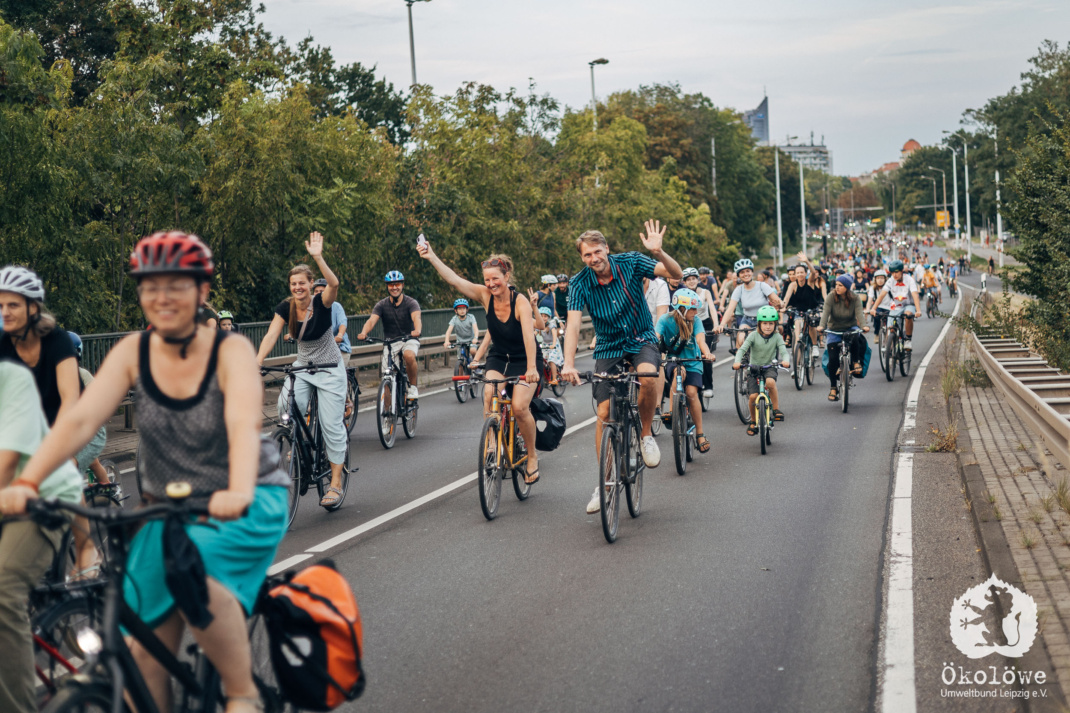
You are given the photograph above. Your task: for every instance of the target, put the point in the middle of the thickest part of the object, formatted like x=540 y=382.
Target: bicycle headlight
x=285 y=417
x=89 y=641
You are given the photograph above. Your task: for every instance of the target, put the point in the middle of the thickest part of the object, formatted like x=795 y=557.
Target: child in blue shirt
x=680 y=335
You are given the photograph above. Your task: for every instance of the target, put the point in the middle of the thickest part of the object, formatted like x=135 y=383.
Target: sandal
x=778 y=415
x=528 y=475
x=703 y=444
x=333 y=496
x=752 y=429
x=255 y=702
x=856 y=369
x=834 y=394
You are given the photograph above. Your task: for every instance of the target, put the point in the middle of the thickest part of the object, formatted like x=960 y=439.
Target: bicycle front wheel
x=462 y=389
x=763 y=423
x=409 y=421
x=55 y=645
x=386 y=413
x=489 y=473
x=609 y=482
x=890 y=356
x=798 y=365
x=92 y=696
x=679 y=433
x=742 y=398
x=845 y=379
x=290 y=462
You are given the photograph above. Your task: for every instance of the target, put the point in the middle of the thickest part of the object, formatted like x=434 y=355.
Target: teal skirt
x=236 y=554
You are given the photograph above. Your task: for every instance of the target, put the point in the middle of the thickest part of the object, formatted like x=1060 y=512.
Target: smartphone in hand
x=421 y=241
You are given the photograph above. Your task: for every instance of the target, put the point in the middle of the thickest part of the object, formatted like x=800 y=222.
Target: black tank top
x=507 y=338
x=805 y=298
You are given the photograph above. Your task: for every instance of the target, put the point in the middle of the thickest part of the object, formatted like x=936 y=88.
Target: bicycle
x=846 y=375
x=620 y=461
x=111 y=674
x=558 y=385
x=742 y=397
x=763 y=408
x=395 y=382
x=501 y=450
x=352 y=399
x=894 y=353
x=301 y=433
x=464 y=389
x=930 y=302
x=803 y=362
x=684 y=432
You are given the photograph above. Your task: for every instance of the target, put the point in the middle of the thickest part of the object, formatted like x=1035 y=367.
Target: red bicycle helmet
x=171 y=252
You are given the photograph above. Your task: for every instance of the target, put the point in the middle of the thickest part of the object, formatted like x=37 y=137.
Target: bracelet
x=26 y=484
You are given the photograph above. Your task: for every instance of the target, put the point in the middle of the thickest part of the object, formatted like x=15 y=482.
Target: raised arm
x=652 y=241
x=466 y=288
x=314 y=245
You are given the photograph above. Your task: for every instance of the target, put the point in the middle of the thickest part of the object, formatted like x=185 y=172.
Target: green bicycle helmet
x=225 y=315
x=768 y=314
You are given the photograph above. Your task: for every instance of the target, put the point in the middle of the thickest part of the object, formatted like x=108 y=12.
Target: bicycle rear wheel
x=845 y=379
x=763 y=423
x=386 y=413
x=811 y=361
x=742 y=398
x=521 y=488
x=609 y=463
x=904 y=360
x=352 y=397
x=489 y=472
x=890 y=347
x=139 y=468
x=290 y=462
x=798 y=366
x=461 y=389
x=633 y=468
x=679 y=433
x=408 y=422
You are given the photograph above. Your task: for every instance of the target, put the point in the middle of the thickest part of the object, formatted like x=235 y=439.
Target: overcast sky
x=867 y=75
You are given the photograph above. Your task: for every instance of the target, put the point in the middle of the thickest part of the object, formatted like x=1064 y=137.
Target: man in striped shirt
x=610 y=287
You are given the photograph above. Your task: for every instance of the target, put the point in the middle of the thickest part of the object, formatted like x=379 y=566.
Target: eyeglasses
x=151 y=292
x=494 y=262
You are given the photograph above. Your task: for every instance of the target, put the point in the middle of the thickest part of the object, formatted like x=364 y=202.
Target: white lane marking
x=396 y=512
x=287 y=563
x=128 y=470
x=899 y=694
x=910 y=414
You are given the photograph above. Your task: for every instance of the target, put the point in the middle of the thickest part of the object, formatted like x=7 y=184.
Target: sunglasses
x=494 y=262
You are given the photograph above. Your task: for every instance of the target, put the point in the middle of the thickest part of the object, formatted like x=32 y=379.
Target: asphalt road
x=752 y=583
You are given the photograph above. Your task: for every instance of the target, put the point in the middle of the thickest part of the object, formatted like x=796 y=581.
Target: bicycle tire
x=76 y=696
x=461 y=388
x=845 y=379
x=679 y=433
x=559 y=387
x=904 y=361
x=521 y=488
x=408 y=421
x=656 y=424
x=890 y=344
x=57 y=626
x=633 y=483
x=284 y=442
x=811 y=361
x=489 y=474
x=798 y=366
x=98 y=532
x=742 y=399
x=763 y=423
x=139 y=467
x=704 y=401
x=353 y=397
x=386 y=421
x=609 y=463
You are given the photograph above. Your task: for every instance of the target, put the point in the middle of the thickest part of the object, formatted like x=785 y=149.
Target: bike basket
x=549 y=423
x=316 y=638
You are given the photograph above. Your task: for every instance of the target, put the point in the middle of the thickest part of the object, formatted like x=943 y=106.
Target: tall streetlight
x=779 y=225
x=955 y=187
x=931 y=178
x=944 y=178
x=999 y=204
x=412 y=43
x=594 y=101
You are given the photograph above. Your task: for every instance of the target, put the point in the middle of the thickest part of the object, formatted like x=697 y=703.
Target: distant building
x=758 y=121
x=884 y=170
x=908 y=148
x=812 y=156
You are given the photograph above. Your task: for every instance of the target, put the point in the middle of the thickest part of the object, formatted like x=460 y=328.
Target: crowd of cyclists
x=200 y=419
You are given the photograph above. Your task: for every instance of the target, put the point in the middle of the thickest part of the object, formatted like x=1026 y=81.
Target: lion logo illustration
x=976 y=628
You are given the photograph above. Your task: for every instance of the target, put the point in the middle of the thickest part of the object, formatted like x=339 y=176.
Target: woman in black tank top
x=511 y=328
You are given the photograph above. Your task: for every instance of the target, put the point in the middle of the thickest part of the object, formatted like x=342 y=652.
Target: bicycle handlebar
x=386 y=342
x=40 y=509
x=291 y=369
x=591 y=377
x=477 y=377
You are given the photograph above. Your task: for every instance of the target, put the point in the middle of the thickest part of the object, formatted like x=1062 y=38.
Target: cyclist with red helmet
x=199 y=394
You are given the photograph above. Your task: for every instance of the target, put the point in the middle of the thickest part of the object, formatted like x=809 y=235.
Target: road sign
x=943 y=219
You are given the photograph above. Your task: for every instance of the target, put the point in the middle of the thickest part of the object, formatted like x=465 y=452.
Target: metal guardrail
x=1039 y=393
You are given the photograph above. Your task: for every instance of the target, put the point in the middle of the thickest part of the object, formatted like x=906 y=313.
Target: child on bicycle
x=463 y=323
x=548 y=342
x=680 y=334
x=765 y=346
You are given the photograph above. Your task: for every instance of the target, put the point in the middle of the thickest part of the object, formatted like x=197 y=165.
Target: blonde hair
x=506 y=263
x=293 y=321
x=684 y=327
x=591 y=237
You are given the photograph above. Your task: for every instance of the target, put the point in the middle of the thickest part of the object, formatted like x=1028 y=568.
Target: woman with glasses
x=511 y=326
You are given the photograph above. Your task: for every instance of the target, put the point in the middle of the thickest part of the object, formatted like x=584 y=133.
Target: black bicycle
x=742 y=397
x=803 y=361
x=110 y=673
x=684 y=435
x=930 y=303
x=620 y=458
x=299 y=434
x=464 y=389
x=352 y=399
x=846 y=375
x=895 y=354
x=392 y=402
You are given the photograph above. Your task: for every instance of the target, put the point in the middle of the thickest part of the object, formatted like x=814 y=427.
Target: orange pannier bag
x=316 y=638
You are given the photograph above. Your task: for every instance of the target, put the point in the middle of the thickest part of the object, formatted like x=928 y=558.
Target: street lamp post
x=594 y=101
x=930 y=178
x=955 y=188
x=999 y=205
x=802 y=207
x=412 y=42
x=969 y=226
x=944 y=179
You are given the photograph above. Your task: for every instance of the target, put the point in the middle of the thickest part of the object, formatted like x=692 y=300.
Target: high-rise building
x=813 y=156
x=758 y=121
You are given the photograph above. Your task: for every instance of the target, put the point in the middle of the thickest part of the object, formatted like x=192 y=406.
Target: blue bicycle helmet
x=546 y=312
x=460 y=302
x=744 y=264
x=684 y=299
x=77 y=341
x=394 y=276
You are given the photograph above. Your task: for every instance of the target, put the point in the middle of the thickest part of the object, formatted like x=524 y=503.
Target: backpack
x=316 y=638
x=549 y=423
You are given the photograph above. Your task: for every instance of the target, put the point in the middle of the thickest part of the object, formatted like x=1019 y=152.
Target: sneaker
x=707 y=393
x=907 y=345
x=815 y=352
x=412 y=394
x=651 y=452
x=595 y=505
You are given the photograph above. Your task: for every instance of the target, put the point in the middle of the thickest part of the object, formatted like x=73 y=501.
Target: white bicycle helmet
x=743 y=264
x=22 y=281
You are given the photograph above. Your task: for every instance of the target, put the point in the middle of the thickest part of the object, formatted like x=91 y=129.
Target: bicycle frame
x=501 y=406
x=306 y=437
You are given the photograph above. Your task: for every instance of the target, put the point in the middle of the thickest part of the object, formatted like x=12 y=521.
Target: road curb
x=998 y=559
